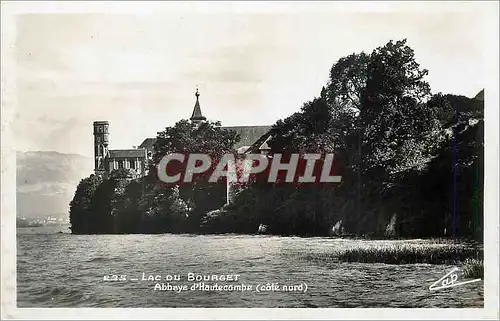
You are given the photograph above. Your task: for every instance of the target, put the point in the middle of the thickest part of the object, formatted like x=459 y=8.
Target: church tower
x=197 y=117
x=101 y=141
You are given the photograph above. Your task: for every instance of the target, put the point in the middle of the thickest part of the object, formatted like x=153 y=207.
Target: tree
x=394 y=116
x=79 y=212
x=126 y=207
x=101 y=212
x=187 y=137
x=373 y=115
x=383 y=95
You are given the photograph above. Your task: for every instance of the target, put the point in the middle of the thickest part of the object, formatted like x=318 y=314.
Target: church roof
x=148 y=144
x=248 y=134
x=259 y=144
x=127 y=153
x=197 y=115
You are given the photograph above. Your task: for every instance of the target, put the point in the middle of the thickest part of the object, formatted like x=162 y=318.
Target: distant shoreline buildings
x=40 y=221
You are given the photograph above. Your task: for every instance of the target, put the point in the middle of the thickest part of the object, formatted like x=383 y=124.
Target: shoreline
x=433 y=239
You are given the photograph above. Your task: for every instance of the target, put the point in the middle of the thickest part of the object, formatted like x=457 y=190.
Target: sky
x=140 y=71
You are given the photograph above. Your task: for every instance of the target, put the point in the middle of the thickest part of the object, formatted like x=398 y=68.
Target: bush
x=473 y=269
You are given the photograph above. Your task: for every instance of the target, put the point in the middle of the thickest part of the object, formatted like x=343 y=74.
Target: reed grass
x=473 y=268
x=404 y=253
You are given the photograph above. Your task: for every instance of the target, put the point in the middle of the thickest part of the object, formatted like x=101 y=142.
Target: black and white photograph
x=288 y=159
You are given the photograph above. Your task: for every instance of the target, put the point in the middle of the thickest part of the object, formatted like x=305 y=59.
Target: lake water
x=64 y=270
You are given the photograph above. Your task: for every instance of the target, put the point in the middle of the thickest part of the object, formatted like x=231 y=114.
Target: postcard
x=249 y=160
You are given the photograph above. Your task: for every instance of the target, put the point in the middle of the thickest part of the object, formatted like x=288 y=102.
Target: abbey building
x=253 y=139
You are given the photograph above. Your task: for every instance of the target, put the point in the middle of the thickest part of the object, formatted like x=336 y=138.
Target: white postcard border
x=488 y=11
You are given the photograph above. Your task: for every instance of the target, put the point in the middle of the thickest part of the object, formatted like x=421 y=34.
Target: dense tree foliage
x=81 y=219
x=411 y=165
x=411 y=161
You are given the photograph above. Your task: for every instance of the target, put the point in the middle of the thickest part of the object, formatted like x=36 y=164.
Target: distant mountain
x=46 y=182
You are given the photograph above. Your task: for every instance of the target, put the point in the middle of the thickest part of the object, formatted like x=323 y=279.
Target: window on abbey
x=120 y=164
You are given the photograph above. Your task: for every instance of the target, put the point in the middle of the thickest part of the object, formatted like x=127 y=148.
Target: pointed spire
x=197 y=117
